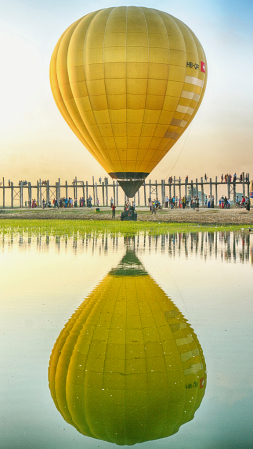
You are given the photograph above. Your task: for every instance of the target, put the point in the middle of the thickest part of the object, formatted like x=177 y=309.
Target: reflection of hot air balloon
x=127 y=367
x=128 y=81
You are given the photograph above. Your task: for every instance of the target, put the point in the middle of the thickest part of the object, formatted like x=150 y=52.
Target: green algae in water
x=107 y=227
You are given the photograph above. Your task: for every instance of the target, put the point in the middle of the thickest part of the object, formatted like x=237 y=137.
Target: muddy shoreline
x=203 y=216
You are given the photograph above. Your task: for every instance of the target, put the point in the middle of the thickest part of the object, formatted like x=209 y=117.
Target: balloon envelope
x=128 y=81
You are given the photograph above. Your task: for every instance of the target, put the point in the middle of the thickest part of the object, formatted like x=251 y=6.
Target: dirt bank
x=203 y=216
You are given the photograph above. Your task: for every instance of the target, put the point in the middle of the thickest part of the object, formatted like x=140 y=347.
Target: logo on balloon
x=203 y=66
x=191 y=65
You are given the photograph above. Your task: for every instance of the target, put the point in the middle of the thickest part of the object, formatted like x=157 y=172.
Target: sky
x=36 y=142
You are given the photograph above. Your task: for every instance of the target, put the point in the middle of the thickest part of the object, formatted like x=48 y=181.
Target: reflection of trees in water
x=229 y=246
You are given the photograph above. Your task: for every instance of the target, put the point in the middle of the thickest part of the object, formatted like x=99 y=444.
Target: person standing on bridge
x=113 y=210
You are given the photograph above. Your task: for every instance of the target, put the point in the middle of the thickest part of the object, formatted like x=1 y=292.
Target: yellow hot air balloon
x=128 y=81
x=127 y=367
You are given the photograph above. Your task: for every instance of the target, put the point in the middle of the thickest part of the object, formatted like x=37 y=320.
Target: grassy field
x=98 y=227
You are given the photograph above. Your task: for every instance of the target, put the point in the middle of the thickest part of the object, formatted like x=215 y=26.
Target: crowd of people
x=194 y=203
x=224 y=178
x=225 y=203
x=235 y=178
x=174 y=202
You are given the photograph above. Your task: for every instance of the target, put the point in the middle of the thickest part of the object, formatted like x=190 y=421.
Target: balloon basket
x=128 y=216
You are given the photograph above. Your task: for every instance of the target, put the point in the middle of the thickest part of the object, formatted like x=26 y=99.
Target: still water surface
x=144 y=341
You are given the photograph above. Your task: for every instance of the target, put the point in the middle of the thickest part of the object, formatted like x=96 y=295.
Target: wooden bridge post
x=47 y=194
x=169 y=188
x=56 y=192
x=150 y=188
x=138 y=197
x=145 y=197
x=12 y=192
x=87 y=192
x=40 y=200
x=83 y=191
x=202 y=192
x=66 y=189
x=211 y=192
x=106 y=191
x=38 y=193
x=228 y=181
x=29 y=194
x=75 y=191
x=96 y=192
x=59 y=188
x=117 y=193
x=179 y=182
x=185 y=190
x=156 y=189
x=114 y=195
x=216 y=191
x=234 y=198
x=174 y=187
x=21 y=195
x=103 y=192
x=93 y=189
x=74 y=188
x=191 y=188
x=243 y=184
x=3 y=195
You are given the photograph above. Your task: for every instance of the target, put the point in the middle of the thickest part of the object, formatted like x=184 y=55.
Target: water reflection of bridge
x=227 y=246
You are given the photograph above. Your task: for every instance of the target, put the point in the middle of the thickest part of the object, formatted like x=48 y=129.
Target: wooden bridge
x=22 y=194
